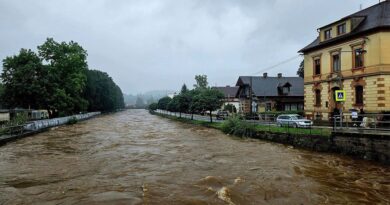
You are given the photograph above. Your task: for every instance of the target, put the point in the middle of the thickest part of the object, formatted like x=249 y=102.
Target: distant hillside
x=147 y=97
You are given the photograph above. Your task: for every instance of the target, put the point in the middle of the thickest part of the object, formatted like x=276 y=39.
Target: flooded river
x=133 y=157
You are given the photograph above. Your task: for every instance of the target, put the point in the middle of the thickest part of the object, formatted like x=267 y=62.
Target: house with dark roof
x=230 y=96
x=267 y=93
x=350 y=54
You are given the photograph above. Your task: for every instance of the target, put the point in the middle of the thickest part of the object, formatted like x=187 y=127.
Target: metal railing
x=266 y=123
x=375 y=123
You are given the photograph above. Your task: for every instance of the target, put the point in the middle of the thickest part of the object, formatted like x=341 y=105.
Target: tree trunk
x=179 y=114
x=211 y=117
x=192 y=116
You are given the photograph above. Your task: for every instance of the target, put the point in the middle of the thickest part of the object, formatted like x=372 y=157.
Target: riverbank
x=374 y=148
x=38 y=126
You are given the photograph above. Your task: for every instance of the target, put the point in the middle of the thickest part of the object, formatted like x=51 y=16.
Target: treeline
x=57 y=79
x=200 y=99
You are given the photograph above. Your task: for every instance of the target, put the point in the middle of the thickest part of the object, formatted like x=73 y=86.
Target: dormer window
x=328 y=34
x=286 y=90
x=341 y=29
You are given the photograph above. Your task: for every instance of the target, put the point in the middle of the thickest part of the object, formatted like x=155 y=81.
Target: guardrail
x=375 y=123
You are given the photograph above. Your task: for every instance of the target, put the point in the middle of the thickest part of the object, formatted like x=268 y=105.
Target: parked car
x=252 y=116
x=222 y=115
x=293 y=120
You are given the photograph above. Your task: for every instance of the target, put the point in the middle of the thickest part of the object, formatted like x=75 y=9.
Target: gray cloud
x=160 y=44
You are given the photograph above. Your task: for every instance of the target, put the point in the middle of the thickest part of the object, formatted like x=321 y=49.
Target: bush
x=72 y=121
x=234 y=125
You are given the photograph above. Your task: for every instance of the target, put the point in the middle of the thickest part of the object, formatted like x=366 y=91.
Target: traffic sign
x=340 y=95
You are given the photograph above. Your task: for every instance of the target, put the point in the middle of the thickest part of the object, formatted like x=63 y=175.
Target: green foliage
x=102 y=93
x=230 y=108
x=209 y=99
x=24 y=80
x=234 y=125
x=57 y=79
x=72 y=121
x=153 y=106
x=301 y=69
x=184 y=89
x=163 y=103
x=201 y=82
x=173 y=105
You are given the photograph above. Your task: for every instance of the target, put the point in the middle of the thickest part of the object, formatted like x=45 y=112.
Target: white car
x=293 y=120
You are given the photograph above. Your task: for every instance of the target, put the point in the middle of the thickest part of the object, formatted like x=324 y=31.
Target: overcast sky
x=161 y=44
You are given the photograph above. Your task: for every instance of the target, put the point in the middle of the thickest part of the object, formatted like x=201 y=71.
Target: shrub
x=234 y=125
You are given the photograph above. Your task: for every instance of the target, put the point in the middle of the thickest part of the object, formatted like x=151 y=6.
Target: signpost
x=340 y=97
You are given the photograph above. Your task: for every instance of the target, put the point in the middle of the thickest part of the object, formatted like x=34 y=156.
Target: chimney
x=265 y=75
x=279 y=75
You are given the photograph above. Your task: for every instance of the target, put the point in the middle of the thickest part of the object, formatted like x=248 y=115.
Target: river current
x=133 y=157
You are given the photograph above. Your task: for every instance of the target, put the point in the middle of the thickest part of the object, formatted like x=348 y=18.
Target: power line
x=277 y=65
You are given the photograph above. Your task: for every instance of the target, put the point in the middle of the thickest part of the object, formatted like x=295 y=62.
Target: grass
x=242 y=128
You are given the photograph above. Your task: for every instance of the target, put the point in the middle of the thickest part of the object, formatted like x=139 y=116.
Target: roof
x=268 y=86
x=228 y=91
x=374 y=17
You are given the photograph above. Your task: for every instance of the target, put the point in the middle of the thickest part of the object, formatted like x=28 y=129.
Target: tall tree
x=102 y=93
x=201 y=82
x=163 y=103
x=301 y=69
x=67 y=66
x=209 y=99
x=184 y=89
x=25 y=81
x=139 y=103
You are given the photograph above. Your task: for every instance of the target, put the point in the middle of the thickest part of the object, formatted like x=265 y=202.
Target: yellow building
x=351 y=54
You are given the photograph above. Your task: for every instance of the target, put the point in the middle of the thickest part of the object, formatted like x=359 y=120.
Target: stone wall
x=376 y=148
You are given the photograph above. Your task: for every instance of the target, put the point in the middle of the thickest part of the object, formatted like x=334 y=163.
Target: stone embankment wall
x=369 y=147
x=34 y=127
x=42 y=124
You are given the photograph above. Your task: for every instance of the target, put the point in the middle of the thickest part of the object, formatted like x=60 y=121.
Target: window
x=359 y=95
x=336 y=63
x=358 y=58
x=286 y=90
x=317 y=66
x=328 y=34
x=318 y=98
x=341 y=29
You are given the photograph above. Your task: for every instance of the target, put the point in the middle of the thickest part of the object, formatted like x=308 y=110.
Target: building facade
x=264 y=93
x=230 y=94
x=352 y=54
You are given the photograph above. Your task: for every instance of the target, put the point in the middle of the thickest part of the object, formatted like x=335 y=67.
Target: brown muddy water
x=133 y=157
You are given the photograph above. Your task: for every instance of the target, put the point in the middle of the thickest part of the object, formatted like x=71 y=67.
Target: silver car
x=293 y=120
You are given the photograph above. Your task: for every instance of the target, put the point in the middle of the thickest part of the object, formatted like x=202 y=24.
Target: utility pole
x=250 y=95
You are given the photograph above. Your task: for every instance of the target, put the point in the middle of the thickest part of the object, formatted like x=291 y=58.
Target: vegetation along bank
x=375 y=148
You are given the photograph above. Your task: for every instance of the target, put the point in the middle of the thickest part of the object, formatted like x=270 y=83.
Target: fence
x=264 y=122
x=375 y=123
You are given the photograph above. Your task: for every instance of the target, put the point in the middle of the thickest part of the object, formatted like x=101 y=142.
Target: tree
x=153 y=106
x=184 y=89
x=102 y=93
x=67 y=67
x=194 y=106
x=25 y=81
x=163 y=103
x=301 y=69
x=209 y=99
x=201 y=82
x=173 y=105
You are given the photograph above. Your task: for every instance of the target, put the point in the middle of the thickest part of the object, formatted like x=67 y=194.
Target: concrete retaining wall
x=369 y=147
x=42 y=124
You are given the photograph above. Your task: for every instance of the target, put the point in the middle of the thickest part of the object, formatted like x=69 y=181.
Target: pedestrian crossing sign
x=340 y=95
